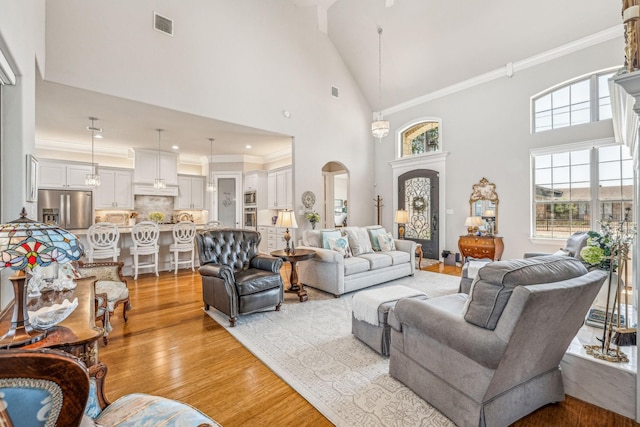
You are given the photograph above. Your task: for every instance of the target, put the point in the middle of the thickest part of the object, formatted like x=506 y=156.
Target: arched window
x=421 y=137
x=581 y=100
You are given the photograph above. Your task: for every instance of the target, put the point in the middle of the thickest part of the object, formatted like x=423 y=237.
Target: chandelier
x=159 y=182
x=93 y=179
x=211 y=186
x=380 y=127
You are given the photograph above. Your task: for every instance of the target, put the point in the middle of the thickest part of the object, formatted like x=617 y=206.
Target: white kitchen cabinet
x=190 y=192
x=61 y=174
x=256 y=181
x=264 y=238
x=275 y=238
x=116 y=190
x=280 y=189
x=146 y=166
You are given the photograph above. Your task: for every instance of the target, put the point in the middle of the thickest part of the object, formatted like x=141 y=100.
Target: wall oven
x=250 y=198
x=250 y=219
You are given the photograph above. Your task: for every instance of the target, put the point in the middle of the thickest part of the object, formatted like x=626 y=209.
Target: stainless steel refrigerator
x=69 y=209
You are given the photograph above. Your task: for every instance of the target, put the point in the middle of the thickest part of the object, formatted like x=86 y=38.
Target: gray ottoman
x=377 y=336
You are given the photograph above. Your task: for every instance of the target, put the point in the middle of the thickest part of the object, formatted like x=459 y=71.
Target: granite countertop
x=127 y=229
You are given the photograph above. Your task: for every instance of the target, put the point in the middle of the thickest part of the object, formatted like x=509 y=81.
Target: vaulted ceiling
x=427 y=45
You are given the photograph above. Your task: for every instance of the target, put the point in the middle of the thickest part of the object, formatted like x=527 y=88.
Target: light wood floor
x=170 y=347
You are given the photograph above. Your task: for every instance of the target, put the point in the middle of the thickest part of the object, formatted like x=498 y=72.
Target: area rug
x=310 y=346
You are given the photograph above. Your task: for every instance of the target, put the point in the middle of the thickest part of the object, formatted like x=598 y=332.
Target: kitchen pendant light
x=159 y=182
x=93 y=179
x=380 y=127
x=211 y=186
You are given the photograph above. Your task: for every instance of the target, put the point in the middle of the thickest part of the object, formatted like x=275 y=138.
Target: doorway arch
x=336 y=191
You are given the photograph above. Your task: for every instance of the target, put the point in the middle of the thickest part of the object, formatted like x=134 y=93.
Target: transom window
x=575 y=189
x=579 y=101
x=420 y=138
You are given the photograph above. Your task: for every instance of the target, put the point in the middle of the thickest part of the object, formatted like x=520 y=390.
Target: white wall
x=242 y=62
x=486 y=130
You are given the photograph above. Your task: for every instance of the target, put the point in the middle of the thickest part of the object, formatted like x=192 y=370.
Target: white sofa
x=332 y=272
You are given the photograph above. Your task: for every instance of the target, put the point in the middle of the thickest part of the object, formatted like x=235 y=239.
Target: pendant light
x=93 y=179
x=211 y=186
x=380 y=127
x=159 y=182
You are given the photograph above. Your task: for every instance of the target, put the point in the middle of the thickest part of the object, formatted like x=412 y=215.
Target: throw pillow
x=358 y=240
x=373 y=235
x=496 y=281
x=340 y=245
x=386 y=242
x=561 y=252
x=331 y=234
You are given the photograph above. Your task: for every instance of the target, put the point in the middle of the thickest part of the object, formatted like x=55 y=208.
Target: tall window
x=572 y=190
x=579 y=101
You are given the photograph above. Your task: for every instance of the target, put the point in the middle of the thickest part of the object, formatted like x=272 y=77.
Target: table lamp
x=25 y=244
x=402 y=217
x=472 y=223
x=287 y=218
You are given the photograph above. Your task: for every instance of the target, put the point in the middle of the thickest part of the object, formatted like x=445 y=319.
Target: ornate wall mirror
x=483 y=202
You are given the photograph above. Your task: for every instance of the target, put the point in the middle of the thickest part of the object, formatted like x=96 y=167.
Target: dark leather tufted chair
x=236 y=279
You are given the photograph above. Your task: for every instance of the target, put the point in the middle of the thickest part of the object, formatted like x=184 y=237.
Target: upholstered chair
x=572 y=246
x=236 y=279
x=110 y=283
x=50 y=387
x=491 y=357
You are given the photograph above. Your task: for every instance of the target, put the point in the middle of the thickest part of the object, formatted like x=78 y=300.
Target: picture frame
x=32 y=178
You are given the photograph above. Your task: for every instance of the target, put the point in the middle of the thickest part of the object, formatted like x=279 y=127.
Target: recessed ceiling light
x=99 y=136
x=175 y=147
x=248 y=147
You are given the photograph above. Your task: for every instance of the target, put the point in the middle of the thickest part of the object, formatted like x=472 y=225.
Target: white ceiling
x=426 y=46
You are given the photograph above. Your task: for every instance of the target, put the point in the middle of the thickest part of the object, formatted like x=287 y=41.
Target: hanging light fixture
x=211 y=186
x=159 y=182
x=93 y=179
x=380 y=127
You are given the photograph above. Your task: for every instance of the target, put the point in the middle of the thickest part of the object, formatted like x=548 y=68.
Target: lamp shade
x=489 y=212
x=402 y=217
x=26 y=244
x=286 y=218
x=473 y=221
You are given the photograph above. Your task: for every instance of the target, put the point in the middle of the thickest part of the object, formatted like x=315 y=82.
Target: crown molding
x=81 y=148
x=509 y=69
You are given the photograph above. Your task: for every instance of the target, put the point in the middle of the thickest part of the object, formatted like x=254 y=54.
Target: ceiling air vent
x=163 y=24
x=334 y=91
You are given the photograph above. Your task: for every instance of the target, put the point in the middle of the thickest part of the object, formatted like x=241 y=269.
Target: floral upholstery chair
x=109 y=282
x=74 y=395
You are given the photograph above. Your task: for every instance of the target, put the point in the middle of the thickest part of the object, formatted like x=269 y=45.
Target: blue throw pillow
x=373 y=236
x=326 y=235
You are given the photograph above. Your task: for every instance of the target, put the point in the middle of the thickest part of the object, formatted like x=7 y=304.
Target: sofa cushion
x=495 y=282
x=358 y=240
x=313 y=238
x=373 y=236
x=340 y=245
x=398 y=257
x=378 y=260
x=329 y=234
x=386 y=242
x=355 y=265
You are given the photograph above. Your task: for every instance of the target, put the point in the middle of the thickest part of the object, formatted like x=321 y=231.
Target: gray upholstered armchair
x=572 y=247
x=236 y=279
x=492 y=357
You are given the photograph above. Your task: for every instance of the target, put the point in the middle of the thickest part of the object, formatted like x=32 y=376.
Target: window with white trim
x=579 y=101
x=421 y=137
x=574 y=189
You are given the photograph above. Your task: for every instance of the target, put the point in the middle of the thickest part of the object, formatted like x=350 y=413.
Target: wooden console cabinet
x=481 y=247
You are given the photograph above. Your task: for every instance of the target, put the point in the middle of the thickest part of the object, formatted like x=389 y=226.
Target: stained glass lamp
x=25 y=244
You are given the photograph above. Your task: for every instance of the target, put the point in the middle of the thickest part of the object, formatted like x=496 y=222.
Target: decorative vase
x=132 y=222
x=313 y=225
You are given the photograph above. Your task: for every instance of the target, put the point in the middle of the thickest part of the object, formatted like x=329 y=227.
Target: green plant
x=313 y=217
x=156 y=216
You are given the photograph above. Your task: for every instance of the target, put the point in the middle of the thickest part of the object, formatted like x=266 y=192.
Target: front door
x=418 y=194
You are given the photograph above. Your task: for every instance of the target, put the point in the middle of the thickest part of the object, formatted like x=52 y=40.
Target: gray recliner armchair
x=492 y=357
x=572 y=247
x=236 y=279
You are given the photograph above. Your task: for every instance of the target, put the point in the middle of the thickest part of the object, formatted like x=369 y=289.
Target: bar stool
x=103 y=238
x=145 y=242
x=184 y=233
x=214 y=224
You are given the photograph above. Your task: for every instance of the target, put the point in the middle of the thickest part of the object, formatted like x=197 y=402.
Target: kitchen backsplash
x=144 y=205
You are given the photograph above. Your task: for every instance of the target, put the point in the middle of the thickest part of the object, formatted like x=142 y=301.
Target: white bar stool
x=184 y=234
x=103 y=238
x=145 y=242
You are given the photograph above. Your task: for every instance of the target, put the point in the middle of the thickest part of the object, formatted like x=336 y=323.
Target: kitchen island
x=164 y=256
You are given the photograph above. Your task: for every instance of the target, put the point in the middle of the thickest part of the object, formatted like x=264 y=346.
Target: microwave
x=250 y=198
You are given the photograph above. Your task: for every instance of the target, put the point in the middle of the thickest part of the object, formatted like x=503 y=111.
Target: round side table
x=294 y=257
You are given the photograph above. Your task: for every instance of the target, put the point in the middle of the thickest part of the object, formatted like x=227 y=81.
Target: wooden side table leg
x=296 y=286
x=419 y=253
